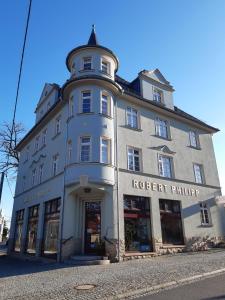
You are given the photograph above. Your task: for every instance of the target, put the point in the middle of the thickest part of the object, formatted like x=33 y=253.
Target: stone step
x=88 y=262
x=88 y=257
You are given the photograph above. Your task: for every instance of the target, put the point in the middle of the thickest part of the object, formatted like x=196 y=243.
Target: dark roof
x=93 y=38
x=133 y=89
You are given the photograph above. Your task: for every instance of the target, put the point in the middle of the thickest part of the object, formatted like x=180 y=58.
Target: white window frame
x=103 y=60
x=161 y=128
x=69 y=151
x=87 y=58
x=196 y=175
x=81 y=144
x=156 y=93
x=55 y=162
x=40 y=175
x=133 y=155
x=193 y=134
x=162 y=168
x=108 y=150
x=71 y=106
x=130 y=111
x=205 y=214
x=57 y=125
x=33 y=178
x=82 y=100
x=36 y=144
x=108 y=101
x=44 y=135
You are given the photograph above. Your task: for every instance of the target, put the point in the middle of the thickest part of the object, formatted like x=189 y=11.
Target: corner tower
x=92 y=59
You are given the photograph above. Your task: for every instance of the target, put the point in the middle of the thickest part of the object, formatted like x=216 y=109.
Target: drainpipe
x=63 y=198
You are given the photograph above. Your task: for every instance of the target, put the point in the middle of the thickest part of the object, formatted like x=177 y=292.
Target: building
x=1 y=225
x=113 y=168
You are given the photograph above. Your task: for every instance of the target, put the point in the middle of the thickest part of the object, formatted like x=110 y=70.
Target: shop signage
x=165 y=188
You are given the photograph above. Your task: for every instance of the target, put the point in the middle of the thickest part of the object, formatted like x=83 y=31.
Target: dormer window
x=87 y=63
x=105 y=66
x=157 y=96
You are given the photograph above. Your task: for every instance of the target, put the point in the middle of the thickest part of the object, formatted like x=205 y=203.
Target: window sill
x=196 y=148
x=86 y=70
x=85 y=113
x=69 y=118
x=167 y=177
x=106 y=116
x=133 y=171
x=133 y=128
x=206 y=225
x=56 y=135
x=43 y=146
x=36 y=151
x=163 y=138
x=105 y=73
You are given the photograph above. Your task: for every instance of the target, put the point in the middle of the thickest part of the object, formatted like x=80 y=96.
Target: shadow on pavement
x=11 y=266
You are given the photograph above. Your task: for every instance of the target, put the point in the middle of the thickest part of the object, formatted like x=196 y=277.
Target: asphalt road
x=212 y=288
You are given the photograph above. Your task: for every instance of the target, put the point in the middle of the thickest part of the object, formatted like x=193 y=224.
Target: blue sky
x=184 y=39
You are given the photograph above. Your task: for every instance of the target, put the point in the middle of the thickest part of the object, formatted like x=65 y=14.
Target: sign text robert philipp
x=159 y=187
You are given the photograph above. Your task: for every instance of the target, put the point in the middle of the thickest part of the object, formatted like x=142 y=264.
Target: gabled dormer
x=49 y=96
x=155 y=87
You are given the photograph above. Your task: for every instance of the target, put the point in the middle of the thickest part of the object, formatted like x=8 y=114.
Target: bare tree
x=10 y=136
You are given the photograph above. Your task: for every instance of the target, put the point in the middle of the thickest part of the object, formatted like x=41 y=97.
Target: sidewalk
x=29 y=280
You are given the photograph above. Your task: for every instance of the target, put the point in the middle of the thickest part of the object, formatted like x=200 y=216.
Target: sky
x=184 y=39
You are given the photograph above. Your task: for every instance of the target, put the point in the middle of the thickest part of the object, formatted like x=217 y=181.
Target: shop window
x=32 y=227
x=137 y=224
x=171 y=223
x=18 y=230
x=51 y=228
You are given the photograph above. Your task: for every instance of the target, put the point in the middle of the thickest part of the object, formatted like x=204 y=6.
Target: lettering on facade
x=36 y=196
x=159 y=187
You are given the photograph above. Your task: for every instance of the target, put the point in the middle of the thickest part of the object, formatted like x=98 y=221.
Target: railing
x=67 y=240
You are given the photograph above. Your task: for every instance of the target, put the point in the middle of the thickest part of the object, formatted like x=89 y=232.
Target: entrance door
x=92 y=234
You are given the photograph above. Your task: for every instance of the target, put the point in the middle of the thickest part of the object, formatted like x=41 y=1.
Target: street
x=34 y=280
x=207 y=289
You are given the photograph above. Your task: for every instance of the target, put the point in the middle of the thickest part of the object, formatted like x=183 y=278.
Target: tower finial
x=93 y=38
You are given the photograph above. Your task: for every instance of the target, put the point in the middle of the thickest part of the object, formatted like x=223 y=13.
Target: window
x=18 y=230
x=33 y=177
x=105 y=104
x=165 y=166
x=194 y=142
x=204 y=213
x=32 y=228
x=105 y=66
x=41 y=173
x=55 y=164
x=87 y=63
x=44 y=133
x=86 y=102
x=71 y=107
x=132 y=117
x=24 y=183
x=105 y=150
x=36 y=145
x=57 y=126
x=133 y=159
x=85 y=149
x=69 y=150
x=198 y=171
x=27 y=154
x=157 y=95
x=161 y=128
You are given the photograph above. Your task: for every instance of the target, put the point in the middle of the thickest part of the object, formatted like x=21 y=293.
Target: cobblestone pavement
x=32 y=280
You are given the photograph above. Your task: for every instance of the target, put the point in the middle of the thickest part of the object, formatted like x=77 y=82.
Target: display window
x=51 y=228
x=18 y=230
x=137 y=224
x=171 y=222
x=32 y=227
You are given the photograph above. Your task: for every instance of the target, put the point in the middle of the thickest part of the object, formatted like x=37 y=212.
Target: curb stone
x=165 y=285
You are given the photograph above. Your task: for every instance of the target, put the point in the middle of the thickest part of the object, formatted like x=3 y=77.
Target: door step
x=88 y=260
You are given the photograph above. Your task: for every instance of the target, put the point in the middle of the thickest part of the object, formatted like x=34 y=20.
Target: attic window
x=158 y=96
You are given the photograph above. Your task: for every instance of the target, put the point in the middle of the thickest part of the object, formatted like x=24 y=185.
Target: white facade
x=113 y=167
